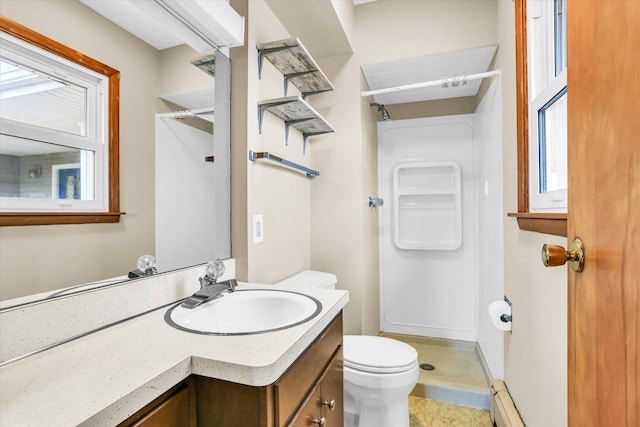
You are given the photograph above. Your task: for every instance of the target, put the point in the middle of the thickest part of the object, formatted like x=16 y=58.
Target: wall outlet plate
x=258 y=229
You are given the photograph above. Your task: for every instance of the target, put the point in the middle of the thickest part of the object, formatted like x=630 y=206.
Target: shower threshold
x=460 y=375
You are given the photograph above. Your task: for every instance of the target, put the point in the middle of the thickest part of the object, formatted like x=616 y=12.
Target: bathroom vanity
x=142 y=368
x=309 y=393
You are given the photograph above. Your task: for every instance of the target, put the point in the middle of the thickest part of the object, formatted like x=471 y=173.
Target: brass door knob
x=553 y=255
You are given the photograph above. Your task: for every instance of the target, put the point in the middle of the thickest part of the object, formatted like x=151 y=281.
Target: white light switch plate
x=258 y=229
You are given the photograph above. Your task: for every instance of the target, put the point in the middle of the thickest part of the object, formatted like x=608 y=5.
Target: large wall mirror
x=177 y=204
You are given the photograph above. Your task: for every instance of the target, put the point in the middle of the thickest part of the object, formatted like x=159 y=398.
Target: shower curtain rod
x=440 y=82
x=186 y=114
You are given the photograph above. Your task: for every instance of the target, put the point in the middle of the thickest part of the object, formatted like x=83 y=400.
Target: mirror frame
x=113 y=214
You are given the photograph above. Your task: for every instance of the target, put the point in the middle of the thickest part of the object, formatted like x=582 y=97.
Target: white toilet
x=379 y=373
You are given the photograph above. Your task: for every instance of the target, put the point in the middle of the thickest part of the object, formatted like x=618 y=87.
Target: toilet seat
x=379 y=355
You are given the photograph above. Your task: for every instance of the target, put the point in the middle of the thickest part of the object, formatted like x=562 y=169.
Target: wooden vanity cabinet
x=295 y=399
x=174 y=408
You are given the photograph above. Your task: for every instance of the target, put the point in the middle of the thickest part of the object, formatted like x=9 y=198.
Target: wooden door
x=604 y=210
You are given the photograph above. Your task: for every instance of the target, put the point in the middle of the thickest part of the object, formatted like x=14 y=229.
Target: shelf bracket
x=287 y=77
x=288 y=124
x=314 y=92
x=305 y=137
x=262 y=108
x=263 y=52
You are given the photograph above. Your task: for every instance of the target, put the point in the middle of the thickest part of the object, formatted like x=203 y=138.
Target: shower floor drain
x=427 y=366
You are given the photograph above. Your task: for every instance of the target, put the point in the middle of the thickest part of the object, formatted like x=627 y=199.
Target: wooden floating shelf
x=297 y=66
x=206 y=63
x=296 y=113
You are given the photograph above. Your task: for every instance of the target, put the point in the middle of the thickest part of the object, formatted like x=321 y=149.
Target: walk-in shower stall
x=440 y=227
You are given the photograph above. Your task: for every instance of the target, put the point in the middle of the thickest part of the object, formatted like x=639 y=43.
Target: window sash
x=95 y=138
x=547 y=81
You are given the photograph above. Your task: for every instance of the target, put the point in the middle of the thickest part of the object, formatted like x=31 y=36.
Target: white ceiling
x=419 y=69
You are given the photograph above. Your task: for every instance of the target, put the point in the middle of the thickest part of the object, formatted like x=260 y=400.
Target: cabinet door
x=310 y=414
x=324 y=406
x=332 y=393
x=173 y=409
x=297 y=383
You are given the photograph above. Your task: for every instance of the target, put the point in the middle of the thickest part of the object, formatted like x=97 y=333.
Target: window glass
x=32 y=97
x=38 y=170
x=546 y=35
x=552 y=120
x=560 y=26
x=53 y=132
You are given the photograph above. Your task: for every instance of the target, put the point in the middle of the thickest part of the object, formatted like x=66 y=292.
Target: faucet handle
x=215 y=269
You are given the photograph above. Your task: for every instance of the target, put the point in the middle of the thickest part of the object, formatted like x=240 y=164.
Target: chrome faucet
x=210 y=288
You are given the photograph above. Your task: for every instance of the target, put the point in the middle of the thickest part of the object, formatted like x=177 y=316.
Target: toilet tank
x=311 y=279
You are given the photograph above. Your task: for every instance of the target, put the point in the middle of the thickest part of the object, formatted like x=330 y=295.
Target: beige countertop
x=102 y=378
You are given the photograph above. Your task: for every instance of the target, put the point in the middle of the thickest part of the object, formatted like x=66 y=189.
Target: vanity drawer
x=295 y=384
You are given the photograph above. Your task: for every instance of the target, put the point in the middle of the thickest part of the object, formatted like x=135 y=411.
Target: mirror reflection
x=54 y=260
x=32 y=97
x=34 y=169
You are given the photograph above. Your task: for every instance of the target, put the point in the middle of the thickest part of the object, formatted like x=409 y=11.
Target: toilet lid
x=378 y=354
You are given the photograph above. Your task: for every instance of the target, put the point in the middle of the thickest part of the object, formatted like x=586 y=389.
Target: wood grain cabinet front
x=324 y=406
x=317 y=371
x=174 y=408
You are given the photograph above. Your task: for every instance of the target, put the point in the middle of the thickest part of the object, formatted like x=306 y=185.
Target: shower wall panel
x=428 y=233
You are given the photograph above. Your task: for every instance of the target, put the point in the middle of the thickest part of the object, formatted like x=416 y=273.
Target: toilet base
x=377 y=407
x=394 y=415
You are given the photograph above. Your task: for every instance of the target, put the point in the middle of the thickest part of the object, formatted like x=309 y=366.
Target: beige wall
x=280 y=195
x=338 y=200
x=178 y=76
x=536 y=350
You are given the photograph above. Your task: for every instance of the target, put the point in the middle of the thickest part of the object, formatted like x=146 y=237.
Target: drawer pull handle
x=319 y=422
x=331 y=404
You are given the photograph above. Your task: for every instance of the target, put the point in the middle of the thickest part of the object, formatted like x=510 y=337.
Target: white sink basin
x=245 y=312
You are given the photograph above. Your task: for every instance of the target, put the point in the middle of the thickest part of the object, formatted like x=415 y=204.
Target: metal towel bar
x=265 y=155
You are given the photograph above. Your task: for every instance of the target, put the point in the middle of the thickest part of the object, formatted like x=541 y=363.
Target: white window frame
x=544 y=85
x=96 y=134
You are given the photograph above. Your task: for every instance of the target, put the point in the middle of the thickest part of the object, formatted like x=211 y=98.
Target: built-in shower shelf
x=427 y=205
x=297 y=66
x=296 y=113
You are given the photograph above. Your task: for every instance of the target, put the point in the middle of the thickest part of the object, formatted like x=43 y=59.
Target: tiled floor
x=430 y=413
